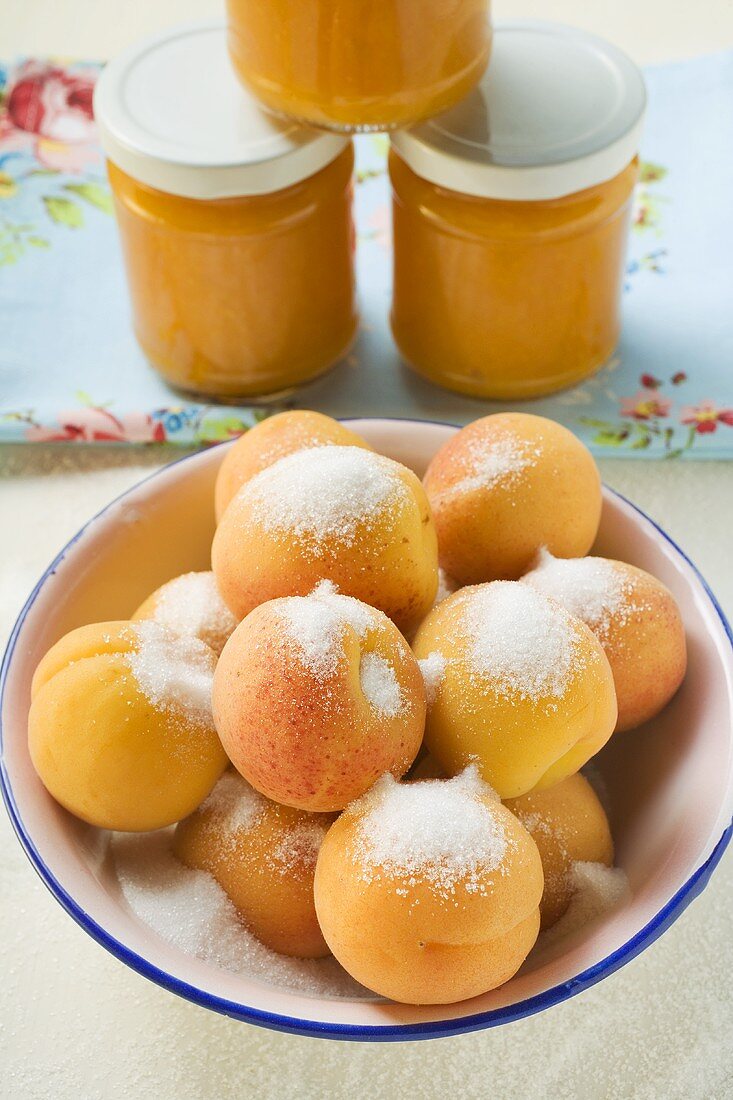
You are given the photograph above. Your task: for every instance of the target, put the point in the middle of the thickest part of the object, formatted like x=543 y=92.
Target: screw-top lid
x=172 y=114
x=557 y=111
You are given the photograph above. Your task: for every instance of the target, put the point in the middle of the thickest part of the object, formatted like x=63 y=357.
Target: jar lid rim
x=557 y=111
x=171 y=113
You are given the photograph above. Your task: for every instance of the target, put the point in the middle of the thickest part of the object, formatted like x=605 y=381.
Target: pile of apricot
x=365 y=769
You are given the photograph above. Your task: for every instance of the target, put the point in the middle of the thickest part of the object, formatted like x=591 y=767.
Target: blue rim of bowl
x=329 y=1030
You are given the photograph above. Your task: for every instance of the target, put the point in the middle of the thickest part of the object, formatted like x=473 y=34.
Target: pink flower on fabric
x=66 y=158
x=13 y=140
x=705 y=416
x=52 y=103
x=646 y=405
x=95 y=425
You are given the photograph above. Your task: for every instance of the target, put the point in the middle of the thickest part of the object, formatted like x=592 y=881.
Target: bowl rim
x=314 y=1028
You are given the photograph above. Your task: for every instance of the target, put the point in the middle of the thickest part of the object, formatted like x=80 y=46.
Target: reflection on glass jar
x=350 y=65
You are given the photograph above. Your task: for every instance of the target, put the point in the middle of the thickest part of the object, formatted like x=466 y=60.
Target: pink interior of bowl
x=669 y=783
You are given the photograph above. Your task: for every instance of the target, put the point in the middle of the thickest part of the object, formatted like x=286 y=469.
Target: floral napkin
x=70 y=369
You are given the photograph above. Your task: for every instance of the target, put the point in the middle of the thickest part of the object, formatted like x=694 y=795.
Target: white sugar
x=191 y=605
x=359 y=616
x=299 y=847
x=446 y=587
x=380 y=686
x=597 y=889
x=593 y=589
x=435 y=830
x=433 y=671
x=174 y=672
x=522 y=642
x=316 y=625
x=314 y=632
x=234 y=807
x=326 y=494
x=489 y=462
x=233 y=804
x=190 y=911
x=297 y=438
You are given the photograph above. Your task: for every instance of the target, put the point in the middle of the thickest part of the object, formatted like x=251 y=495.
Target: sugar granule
x=299 y=847
x=191 y=605
x=446 y=587
x=593 y=589
x=486 y=463
x=174 y=672
x=325 y=494
x=314 y=632
x=234 y=807
x=522 y=642
x=597 y=889
x=234 y=804
x=190 y=911
x=436 y=830
x=316 y=625
x=380 y=685
x=359 y=616
x=297 y=439
x=433 y=670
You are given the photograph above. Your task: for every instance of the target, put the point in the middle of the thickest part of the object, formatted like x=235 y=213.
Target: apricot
x=343 y=514
x=636 y=620
x=274 y=438
x=517 y=684
x=315 y=697
x=568 y=824
x=505 y=486
x=264 y=857
x=120 y=728
x=428 y=892
x=190 y=605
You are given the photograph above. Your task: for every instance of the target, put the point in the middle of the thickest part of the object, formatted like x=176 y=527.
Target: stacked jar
x=513 y=163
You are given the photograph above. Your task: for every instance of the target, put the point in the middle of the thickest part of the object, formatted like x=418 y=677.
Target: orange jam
x=351 y=65
x=507 y=299
x=241 y=297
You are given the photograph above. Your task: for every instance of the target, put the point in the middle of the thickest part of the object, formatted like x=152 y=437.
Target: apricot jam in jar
x=235 y=225
x=351 y=65
x=511 y=218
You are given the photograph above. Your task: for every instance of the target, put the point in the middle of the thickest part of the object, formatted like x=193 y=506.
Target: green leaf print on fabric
x=64 y=211
x=93 y=193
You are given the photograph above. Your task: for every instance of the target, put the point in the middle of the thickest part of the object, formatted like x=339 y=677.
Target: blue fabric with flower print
x=70 y=369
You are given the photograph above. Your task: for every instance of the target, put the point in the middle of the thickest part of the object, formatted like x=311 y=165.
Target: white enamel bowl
x=670 y=783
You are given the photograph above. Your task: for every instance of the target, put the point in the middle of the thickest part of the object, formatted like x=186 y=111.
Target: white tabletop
x=74 y=1022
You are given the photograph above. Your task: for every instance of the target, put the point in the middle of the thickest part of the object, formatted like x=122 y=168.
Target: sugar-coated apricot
x=263 y=856
x=342 y=514
x=568 y=824
x=120 y=728
x=315 y=697
x=505 y=486
x=636 y=620
x=516 y=684
x=428 y=892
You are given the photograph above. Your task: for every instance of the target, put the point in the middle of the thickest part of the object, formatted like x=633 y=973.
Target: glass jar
x=511 y=218
x=350 y=65
x=235 y=226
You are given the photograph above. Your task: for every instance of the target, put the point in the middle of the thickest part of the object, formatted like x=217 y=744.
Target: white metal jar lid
x=172 y=115
x=557 y=111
